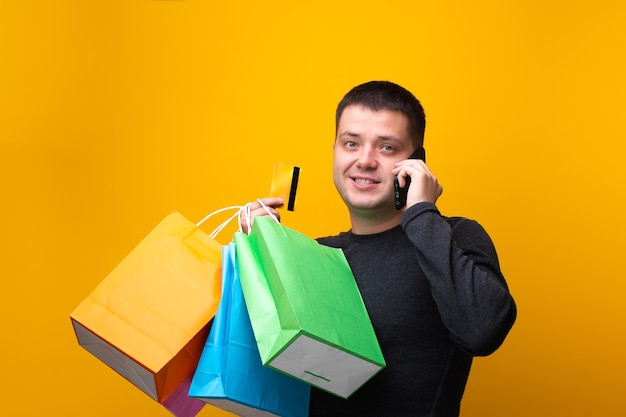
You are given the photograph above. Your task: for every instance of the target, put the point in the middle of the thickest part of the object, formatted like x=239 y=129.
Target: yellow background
x=114 y=113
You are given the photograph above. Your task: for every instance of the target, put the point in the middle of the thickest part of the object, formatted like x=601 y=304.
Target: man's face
x=368 y=145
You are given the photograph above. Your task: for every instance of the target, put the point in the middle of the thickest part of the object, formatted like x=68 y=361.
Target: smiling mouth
x=363 y=181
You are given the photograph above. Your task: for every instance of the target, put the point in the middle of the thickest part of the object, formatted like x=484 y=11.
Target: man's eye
x=350 y=144
x=388 y=148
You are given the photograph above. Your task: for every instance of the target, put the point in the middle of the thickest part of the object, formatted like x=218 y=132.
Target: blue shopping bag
x=230 y=374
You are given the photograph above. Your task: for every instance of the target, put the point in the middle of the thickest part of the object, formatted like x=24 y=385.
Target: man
x=431 y=284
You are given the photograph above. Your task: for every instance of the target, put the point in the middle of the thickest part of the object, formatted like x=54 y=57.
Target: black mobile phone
x=399 y=193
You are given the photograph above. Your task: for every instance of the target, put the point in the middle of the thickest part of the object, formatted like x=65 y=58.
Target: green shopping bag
x=308 y=317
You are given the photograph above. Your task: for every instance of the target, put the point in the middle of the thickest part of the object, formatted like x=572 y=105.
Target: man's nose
x=367 y=159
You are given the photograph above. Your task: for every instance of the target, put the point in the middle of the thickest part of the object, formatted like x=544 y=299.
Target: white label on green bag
x=324 y=366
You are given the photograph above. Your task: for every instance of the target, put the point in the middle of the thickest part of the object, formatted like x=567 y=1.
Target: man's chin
x=365 y=201
x=370 y=204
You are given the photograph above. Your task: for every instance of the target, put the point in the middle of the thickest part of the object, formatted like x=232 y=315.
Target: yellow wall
x=113 y=113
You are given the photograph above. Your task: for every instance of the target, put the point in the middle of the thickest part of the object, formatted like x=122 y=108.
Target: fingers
x=273 y=202
x=411 y=163
x=268 y=208
x=424 y=184
x=411 y=168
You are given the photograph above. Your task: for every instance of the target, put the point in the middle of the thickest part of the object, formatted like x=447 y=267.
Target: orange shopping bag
x=149 y=318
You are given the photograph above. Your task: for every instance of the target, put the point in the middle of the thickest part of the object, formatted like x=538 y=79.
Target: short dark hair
x=385 y=95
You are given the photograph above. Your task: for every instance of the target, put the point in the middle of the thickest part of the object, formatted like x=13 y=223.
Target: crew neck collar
x=364 y=238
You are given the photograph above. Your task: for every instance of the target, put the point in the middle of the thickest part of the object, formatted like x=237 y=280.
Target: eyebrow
x=390 y=138
x=352 y=134
x=348 y=133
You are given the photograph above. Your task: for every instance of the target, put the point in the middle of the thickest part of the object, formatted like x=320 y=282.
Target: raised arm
x=461 y=264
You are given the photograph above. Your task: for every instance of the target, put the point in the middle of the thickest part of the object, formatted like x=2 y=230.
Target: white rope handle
x=244 y=211
x=219 y=228
x=267 y=210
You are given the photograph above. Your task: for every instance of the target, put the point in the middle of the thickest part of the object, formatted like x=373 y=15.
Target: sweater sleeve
x=461 y=264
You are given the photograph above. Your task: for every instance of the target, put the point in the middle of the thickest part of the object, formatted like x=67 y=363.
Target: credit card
x=285 y=183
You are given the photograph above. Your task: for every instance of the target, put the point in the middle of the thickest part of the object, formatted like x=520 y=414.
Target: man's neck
x=369 y=225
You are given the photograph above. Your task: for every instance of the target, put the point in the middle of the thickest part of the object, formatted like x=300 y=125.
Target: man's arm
x=461 y=264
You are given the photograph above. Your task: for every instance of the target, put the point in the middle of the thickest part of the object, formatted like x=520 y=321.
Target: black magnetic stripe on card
x=294 y=187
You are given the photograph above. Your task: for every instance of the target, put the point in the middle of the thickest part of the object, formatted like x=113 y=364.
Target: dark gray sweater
x=436 y=297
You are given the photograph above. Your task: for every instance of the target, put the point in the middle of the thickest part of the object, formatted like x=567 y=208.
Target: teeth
x=362 y=181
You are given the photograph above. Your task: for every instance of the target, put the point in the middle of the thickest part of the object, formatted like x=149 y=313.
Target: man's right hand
x=256 y=210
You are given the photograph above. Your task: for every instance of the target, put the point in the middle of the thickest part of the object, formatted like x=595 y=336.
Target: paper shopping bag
x=307 y=313
x=230 y=374
x=180 y=404
x=149 y=318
